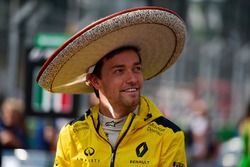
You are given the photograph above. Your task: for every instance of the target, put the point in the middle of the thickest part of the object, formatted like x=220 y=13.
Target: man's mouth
x=130 y=90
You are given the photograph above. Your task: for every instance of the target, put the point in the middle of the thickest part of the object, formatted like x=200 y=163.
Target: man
x=113 y=57
x=12 y=130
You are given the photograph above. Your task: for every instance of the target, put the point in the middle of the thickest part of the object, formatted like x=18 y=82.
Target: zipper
x=97 y=131
x=112 y=163
x=112 y=159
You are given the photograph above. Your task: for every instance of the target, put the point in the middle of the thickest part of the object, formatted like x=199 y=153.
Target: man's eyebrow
x=117 y=66
x=121 y=65
x=137 y=63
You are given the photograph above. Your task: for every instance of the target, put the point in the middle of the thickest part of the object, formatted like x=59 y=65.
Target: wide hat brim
x=159 y=34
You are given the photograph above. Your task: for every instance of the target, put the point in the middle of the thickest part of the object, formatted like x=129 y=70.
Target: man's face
x=121 y=80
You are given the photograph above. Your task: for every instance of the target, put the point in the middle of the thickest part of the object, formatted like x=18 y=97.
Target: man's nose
x=131 y=77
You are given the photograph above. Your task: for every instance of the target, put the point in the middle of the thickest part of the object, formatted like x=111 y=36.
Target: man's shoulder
x=159 y=118
x=167 y=124
x=81 y=118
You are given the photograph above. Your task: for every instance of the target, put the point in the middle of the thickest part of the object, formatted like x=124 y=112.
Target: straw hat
x=158 y=32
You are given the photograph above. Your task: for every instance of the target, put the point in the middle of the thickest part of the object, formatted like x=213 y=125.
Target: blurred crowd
x=12 y=127
x=16 y=133
x=226 y=146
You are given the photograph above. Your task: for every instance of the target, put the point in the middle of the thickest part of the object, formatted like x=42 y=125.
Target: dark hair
x=98 y=66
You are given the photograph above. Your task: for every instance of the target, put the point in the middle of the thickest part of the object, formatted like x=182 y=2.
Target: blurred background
x=206 y=92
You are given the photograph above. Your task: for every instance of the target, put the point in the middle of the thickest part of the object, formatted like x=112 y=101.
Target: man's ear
x=93 y=81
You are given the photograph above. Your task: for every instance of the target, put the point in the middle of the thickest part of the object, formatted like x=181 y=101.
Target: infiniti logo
x=89 y=151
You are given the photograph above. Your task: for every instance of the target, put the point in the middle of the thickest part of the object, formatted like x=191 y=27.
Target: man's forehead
x=123 y=57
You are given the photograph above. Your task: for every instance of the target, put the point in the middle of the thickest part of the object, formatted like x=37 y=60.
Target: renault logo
x=141 y=149
x=89 y=151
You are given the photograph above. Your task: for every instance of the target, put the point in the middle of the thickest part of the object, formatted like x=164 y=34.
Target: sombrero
x=159 y=33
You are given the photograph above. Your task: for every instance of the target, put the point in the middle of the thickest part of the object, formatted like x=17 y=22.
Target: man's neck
x=115 y=112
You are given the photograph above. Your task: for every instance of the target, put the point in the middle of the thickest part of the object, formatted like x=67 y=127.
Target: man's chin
x=134 y=102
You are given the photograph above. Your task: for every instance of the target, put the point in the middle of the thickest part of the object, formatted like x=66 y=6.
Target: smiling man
x=112 y=57
x=118 y=81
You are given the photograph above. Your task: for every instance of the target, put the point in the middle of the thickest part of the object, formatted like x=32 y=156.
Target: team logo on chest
x=88 y=158
x=141 y=149
x=89 y=151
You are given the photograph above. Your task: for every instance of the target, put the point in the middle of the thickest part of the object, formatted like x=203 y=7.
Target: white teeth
x=131 y=90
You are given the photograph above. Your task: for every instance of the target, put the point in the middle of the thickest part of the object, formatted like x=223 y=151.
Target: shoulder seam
x=167 y=123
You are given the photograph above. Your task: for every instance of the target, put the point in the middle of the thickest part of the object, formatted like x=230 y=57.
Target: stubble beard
x=130 y=103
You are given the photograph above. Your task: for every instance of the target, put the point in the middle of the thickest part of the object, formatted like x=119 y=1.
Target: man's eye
x=138 y=69
x=118 y=71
